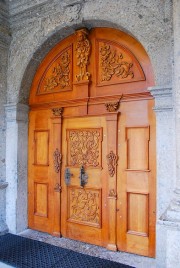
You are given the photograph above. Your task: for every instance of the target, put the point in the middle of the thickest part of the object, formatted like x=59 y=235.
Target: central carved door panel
x=92 y=150
x=84 y=190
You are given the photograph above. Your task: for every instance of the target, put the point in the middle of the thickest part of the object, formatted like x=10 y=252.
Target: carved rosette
x=57 y=160
x=84 y=147
x=113 y=63
x=83 y=48
x=84 y=206
x=112 y=163
x=58 y=111
x=112 y=106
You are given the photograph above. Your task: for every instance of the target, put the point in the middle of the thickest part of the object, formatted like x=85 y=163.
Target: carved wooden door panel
x=136 y=206
x=44 y=172
x=84 y=191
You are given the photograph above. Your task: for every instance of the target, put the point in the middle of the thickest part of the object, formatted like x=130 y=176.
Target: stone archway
x=16 y=117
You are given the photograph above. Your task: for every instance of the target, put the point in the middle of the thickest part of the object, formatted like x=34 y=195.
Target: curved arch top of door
x=92 y=142
x=115 y=61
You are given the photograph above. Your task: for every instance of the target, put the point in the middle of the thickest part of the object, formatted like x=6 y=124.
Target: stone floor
x=122 y=257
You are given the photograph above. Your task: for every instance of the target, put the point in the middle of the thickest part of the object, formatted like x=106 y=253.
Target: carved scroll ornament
x=57 y=111
x=112 y=163
x=85 y=206
x=60 y=76
x=57 y=160
x=114 y=64
x=84 y=146
x=83 y=48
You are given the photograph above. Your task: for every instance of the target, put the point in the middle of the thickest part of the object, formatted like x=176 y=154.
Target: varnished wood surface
x=106 y=93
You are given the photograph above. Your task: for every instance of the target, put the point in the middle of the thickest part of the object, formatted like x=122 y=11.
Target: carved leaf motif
x=57 y=111
x=112 y=163
x=84 y=147
x=112 y=106
x=84 y=206
x=114 y=64
x=60 y=74
x=57 y=160
x=83 y=48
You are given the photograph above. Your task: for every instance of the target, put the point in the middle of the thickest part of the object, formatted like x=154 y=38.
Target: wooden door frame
x=85 y=106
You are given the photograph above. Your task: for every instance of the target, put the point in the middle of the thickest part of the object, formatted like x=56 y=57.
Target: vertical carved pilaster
x=56 y=161
x=112 y=120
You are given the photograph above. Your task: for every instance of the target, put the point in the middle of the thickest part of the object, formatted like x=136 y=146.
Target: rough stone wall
x=4 y=44
x=39 y=24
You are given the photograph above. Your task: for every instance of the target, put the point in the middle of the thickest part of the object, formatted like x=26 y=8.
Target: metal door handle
x=67 y=176
x=83 y=177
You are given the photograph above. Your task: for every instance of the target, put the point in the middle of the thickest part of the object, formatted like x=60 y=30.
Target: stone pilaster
x=166 y=167
x=176 y=89
x=165 y=146
x=16 y=166
x=169 y=222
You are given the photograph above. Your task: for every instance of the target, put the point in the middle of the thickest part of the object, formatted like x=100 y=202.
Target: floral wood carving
x=57 y=160
x=57 y=111
x=83 y=48
x=112 y=163
x=114 y=64
x=84 y=147
x=84 y=206
x=60 y=76
x=112 y=193
x=112 y=106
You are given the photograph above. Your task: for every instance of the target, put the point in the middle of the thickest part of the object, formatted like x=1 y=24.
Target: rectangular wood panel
x=138 y=214
x=41 y=152
x=137 y=148
x=41 y=199
x=84 y=206
x=84 y=147
x=137 y=181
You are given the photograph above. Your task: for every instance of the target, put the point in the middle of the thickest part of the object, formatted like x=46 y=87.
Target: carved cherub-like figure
x=83 y=48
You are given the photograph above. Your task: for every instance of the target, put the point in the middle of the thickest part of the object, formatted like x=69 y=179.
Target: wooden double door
x=92 y=178
x=92 y=155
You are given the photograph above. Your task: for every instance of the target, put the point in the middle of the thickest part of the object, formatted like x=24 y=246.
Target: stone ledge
x=160 y=91
x=163 y=98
